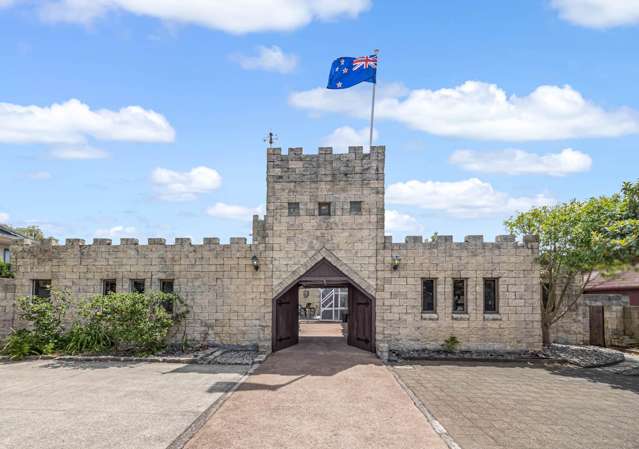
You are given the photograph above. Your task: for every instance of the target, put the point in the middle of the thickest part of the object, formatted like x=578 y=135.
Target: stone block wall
x=308 y=179
x=226 y=295
x=631 y=321
x=401 y=325
x=7 y=303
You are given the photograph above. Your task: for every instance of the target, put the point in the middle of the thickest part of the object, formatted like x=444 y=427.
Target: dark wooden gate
x=597 y=326
x=360 y=320
x=286 y=332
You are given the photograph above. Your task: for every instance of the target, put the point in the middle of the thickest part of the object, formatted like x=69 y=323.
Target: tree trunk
x=545 y=333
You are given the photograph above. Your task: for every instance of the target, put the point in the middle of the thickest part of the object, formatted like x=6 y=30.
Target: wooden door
x=597 y=326
x=286 y=332
x=360 y=320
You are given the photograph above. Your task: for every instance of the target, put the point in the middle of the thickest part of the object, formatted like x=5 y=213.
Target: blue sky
x=121 y=120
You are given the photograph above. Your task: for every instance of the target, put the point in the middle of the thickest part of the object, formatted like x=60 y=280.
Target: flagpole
x=370 y=136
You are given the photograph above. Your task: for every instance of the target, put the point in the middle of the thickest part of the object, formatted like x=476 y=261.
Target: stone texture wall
x=226 y=295
x=401 y=325
x=631 y=321
x=7 y=302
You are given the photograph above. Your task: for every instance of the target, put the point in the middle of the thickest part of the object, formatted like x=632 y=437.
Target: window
x=6 y=255
x=324 y=209
x=42 y=288
x=459 y=295
x=356 y=208
x=108 y=286
x=293 y=209
x=490 y=296
x=166 y=286
x=428 y=296
x=137 y=285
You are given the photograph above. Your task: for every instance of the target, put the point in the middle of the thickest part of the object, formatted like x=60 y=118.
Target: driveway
x=528 y=405
x=54 y=404
x=320 y=393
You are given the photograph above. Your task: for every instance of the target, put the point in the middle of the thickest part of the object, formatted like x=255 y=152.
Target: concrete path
x=318 y=394
x=55 y=404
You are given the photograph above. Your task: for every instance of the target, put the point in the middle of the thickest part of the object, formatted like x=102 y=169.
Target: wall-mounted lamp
x=395 y=262
x=255 y=262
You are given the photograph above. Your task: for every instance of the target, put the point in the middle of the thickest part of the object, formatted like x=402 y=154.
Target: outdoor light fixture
x=395 y=262
x=255 y=262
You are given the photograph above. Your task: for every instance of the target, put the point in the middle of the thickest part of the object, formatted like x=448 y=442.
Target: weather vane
x=270 y=138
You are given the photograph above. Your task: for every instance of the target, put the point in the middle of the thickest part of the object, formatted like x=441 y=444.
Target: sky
x=129 y=118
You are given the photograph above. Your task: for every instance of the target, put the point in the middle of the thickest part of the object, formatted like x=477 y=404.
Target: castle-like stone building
x=324 y=227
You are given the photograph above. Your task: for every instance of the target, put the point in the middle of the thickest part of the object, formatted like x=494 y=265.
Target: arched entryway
x=361 y=308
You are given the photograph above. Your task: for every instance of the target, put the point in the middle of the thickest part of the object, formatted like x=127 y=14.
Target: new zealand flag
x=347 y=71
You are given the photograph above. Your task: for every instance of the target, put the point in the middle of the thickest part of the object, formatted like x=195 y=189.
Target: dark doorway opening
x=597 y=337
x=356 y=316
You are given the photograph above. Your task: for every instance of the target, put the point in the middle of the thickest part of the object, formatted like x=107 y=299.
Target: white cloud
x=519 y=162
x=74 y=122
x=598 y=13
x=116 y=231
x=78 y=152
x=237 y=16
x=395 y=221
x=39 y=175
x=4 y=218
x=185 y=186
x=271 y=59
x=234 y=212
x=6 y=3
x=345 y=136
x=469 y=198
x=479 y=110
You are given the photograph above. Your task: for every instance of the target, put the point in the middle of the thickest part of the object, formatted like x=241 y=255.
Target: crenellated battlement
x=152 y=242
x=354 y=152
x=470 y=241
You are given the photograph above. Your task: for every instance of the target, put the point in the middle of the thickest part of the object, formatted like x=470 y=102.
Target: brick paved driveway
x=528 y=405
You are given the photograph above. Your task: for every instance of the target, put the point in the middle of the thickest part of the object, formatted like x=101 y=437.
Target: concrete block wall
x=325 y=177
x=7 y=303
x=225 y=293
x=401 y=325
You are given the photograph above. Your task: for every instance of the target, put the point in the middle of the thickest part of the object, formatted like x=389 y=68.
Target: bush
x=45 y=315
x=451 y=344
x=125 y=322
x=5 y=270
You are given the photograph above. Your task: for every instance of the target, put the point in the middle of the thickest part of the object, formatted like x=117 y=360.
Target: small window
x=356 y=208
x=137 y=285
x=324 y=209
x=293 y=209
x=490 y=296
x=166 y=286
x=6 y=255
x=42 y=288
x=428 y=296
x=459 y=296
x=108 y=286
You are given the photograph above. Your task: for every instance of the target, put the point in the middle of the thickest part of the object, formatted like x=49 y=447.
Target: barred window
x=42 y=288
x=137 y=285
x=108 y=286
x=293 y=209
x=356 y=208
x=324 y=209
x=459 y=295
x=429 y=299
x=490 y=296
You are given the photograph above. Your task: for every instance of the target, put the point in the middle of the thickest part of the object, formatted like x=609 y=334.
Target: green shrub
x=23 y=342
x=5 y=270
x=45 y=314
x=451 y=344
x=126 y=322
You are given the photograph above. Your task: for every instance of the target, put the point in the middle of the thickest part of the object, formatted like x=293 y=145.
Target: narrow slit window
x=428 y=296
x=166 y=286
x=137 y=285
x=42 y=288
x=356 y=208
x=490 y=296
x=109 y=286
x=324 y=209
x=459 y=296
x=293 y=209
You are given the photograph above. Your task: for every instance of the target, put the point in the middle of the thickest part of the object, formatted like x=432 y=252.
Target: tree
x=33 y=232
x=575 y=239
